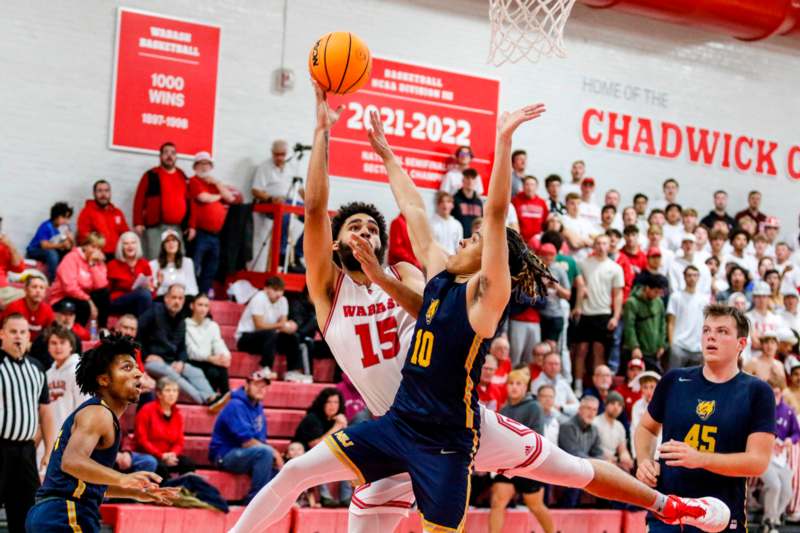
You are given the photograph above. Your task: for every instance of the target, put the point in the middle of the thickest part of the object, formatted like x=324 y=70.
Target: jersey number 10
x=423 y=347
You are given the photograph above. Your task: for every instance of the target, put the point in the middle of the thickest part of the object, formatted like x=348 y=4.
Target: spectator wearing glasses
x=452 y=180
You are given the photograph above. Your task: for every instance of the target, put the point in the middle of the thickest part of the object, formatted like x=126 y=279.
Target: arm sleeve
x=662 y=329
x=122 y=227
x=672 y=307
x=309 y=429
x=67 y=272
x=400 y=245
x=191 y=279
x=630 y=338
x=762 y=408
x=596 y=450
x=567 y=440
x=218 y=346
x=794 y=427
x=658 y=404
x=44 y=395
x=138 y=201
x=536 y=421
x=180 y=345
x=240 y=426
x=177 y=447
x=99 y=276
x=619 y=278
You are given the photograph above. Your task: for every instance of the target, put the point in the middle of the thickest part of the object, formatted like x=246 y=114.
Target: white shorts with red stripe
x=506 y=447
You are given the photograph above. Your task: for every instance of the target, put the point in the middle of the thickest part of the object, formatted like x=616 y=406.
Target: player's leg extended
x=380 y=505
x=502 y=492
x=535 y=502
x=319 y=465
x=512 y=449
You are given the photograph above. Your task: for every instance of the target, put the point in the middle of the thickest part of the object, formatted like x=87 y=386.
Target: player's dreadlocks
x=528 y=273
x=96 y=361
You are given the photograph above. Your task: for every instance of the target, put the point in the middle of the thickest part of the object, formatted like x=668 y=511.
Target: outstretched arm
x=317 y=240
x=429 y=253
x=87 y=431
x=489 y=291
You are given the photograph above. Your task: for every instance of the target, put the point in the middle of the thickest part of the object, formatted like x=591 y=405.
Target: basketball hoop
x=527 y=29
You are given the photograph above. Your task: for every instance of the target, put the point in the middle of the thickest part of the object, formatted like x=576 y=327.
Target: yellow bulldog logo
x=431 y=311
x=705 y=409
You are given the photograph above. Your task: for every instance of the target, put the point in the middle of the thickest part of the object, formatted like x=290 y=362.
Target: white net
x=527 y=29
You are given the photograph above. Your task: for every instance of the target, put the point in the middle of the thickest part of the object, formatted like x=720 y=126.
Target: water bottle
x=93 y=329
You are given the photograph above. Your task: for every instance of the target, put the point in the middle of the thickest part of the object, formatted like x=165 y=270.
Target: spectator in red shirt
x=490 y=394
x=531 y=208
x=82 y=279
x=10 y=261
x=632 y=250
x=400 y=243
x=208 y=196
x=161 y=201
x=614 y=236
x=130 y=278
x=65 y=315
x=103 y=217
x=159 y=430
x=32 y=306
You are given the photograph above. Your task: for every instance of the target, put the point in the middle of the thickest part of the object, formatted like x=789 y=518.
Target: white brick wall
x=56 y=67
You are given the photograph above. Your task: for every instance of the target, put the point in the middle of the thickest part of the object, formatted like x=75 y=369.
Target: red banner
x=427 y=113
x=165 y=83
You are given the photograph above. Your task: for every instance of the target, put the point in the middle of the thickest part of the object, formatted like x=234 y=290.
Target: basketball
x=340 y=62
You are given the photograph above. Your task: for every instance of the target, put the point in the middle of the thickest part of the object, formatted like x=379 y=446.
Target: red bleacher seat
x=136 y=518
x=196 y=447
x=280 y=422
x=226 y=313
x=229 y=336
x=243 y=364
x=233 y=487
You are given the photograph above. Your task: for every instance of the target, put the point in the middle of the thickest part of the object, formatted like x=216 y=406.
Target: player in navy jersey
x=435 y=404
x=717 y=424
x=80 y=472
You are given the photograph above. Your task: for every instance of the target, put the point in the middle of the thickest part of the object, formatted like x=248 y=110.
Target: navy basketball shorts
x=58 y=515
x=439 y=461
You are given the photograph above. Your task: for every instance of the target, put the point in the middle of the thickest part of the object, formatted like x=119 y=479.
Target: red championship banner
x=427 y=113
x=165 y=83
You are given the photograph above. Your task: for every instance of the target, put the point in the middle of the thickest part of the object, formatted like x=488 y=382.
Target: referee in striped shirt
x=24 y=400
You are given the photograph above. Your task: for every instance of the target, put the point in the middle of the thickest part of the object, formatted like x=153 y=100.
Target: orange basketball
x=340 y=62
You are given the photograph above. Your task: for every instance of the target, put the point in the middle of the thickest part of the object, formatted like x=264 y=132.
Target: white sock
x=274 y=500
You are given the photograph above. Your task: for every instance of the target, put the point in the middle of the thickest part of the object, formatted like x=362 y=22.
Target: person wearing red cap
x=161 y=201
x=101 y=216
x=654 y=265
x=530 y=207
x=209 y=197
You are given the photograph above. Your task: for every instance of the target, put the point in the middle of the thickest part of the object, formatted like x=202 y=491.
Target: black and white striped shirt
x=23 y=387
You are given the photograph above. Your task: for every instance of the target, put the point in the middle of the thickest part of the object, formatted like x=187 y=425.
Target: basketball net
x=527 y=29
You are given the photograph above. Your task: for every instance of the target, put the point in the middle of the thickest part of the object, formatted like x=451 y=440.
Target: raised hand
x=326 y=117
x=377 y=138
x=509 y=122
x=365 y=254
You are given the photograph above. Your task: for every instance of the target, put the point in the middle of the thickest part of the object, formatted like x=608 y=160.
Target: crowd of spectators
x=579 y=365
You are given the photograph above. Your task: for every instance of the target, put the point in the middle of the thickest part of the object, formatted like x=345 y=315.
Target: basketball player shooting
x=80 y=474
x=376 y=373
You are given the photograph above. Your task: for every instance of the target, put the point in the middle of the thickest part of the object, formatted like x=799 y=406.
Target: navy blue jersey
x=711 y=417
x=59 y=484
x=444 y=360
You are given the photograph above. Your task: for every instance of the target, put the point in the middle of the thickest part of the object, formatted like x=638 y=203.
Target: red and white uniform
x=369 y=335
